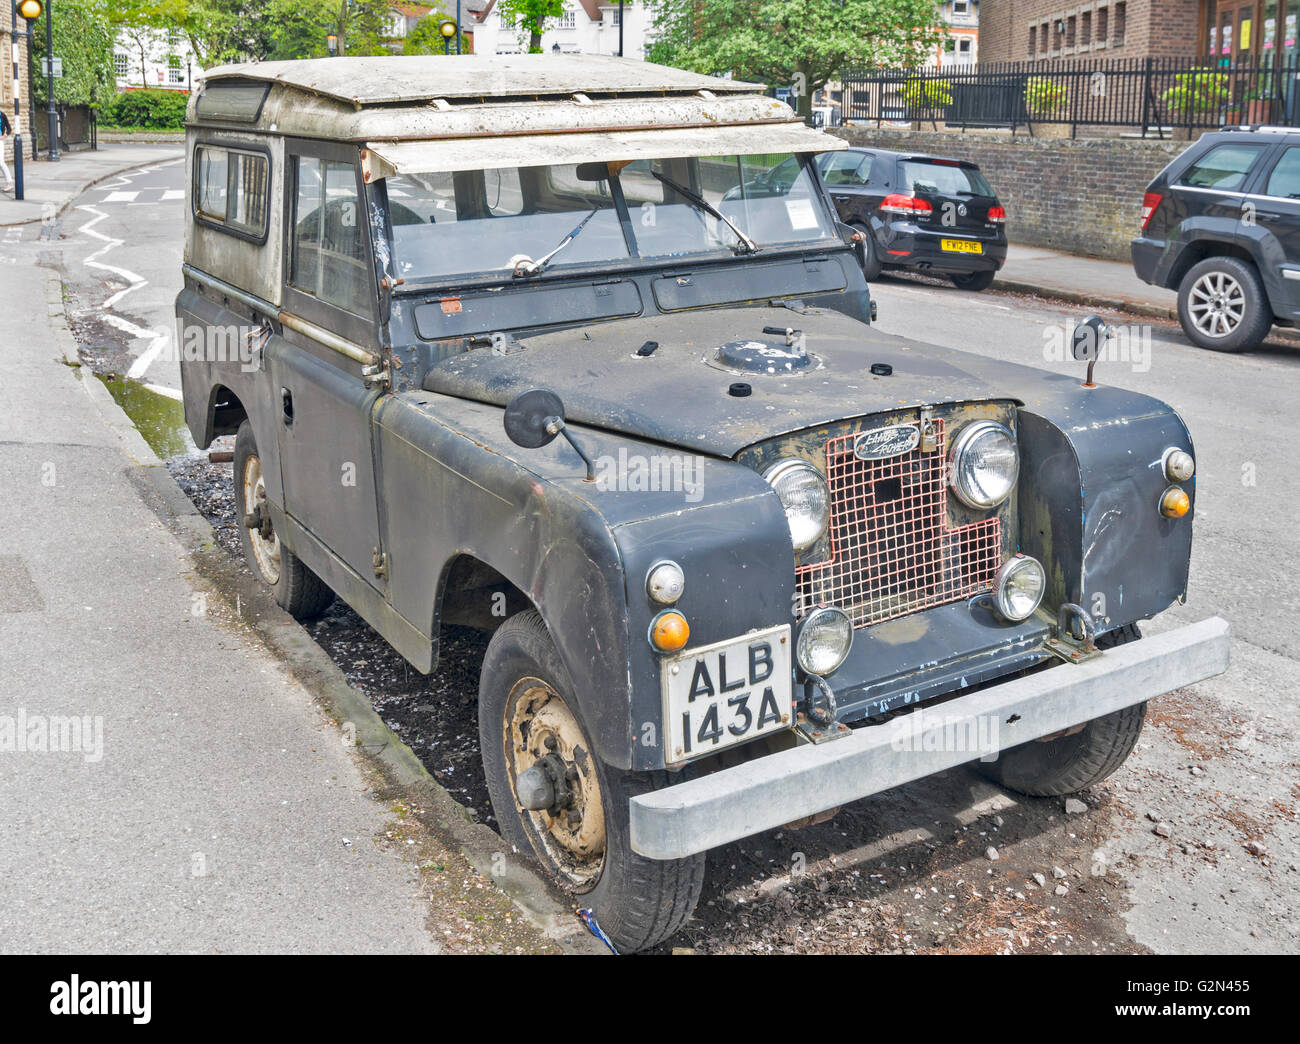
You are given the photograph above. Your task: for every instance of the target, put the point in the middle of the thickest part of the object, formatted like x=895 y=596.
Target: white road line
x=171 y=393
x=173 y=194
x=120 y=197
x=158 y=338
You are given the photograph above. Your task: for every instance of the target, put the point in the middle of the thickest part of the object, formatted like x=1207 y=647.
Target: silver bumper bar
x=763 y=794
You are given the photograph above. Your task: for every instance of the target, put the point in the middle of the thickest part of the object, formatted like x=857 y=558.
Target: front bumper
x=763 y=794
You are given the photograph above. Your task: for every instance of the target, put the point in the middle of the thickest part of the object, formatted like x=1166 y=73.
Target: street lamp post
x=29 y=10
x=332 y=42
x=620 y=28
x=448 y=29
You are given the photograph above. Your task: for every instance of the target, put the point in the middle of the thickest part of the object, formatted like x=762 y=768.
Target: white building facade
x=153 y=58
x=586 y=27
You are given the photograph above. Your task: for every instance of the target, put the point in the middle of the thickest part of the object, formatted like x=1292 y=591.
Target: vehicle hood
x=680 y=396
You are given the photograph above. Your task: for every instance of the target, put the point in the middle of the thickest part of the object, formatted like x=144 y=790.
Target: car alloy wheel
x=1216 y=304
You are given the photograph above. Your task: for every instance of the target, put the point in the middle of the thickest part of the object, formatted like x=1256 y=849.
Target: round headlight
x=805 y=498
x=984 y=464
x=1018 y=587
x=824 y=640
x=665 y=582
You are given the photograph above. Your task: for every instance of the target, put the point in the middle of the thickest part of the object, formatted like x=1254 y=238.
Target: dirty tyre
x=298 y=590
x=972 y=280
x=1073 y=763
x=871 y=266
x=1222 y=305
x=525 y=698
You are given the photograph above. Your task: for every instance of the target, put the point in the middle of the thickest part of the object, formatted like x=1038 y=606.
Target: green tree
x=529 y=16
x=797 y=43
x=301 y=27
x=425 y=37
x=83 y=40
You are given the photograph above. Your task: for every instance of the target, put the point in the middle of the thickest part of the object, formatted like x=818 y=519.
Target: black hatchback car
x=1221 y=224
x=919 y=212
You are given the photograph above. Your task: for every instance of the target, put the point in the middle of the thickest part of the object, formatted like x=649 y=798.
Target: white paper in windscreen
x=801 y=213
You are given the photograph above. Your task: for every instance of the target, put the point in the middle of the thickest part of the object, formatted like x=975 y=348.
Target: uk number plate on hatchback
x=727 y=693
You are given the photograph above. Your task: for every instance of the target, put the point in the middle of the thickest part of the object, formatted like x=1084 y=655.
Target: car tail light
x=997 y=215
x=897 y=203
x=1149 y=203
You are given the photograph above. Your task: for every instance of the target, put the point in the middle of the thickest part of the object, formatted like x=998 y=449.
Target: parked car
x=1221 y=225
x=919 y=213
x=732 y=545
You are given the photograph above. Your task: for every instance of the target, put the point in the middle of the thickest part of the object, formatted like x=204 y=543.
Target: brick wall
x=1151 y=28
x=1082 y=197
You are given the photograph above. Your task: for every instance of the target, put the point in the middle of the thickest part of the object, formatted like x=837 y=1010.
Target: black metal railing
x=1148 y=94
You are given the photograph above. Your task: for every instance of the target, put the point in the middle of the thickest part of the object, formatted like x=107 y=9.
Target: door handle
x=286 y=407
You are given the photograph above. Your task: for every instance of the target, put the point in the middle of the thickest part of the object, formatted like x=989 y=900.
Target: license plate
x=727 y=693
x=961 y=246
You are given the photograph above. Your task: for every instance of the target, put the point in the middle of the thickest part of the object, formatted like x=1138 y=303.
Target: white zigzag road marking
x=158 y=338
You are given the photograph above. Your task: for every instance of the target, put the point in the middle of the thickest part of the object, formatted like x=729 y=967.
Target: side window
x=1285 y=179
x=325 y=256
x=230 y=189
x=848 y=168
x=1223 y=167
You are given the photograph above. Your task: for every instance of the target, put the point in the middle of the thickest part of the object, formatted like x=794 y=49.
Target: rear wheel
x=1068 y=764
x=870 y=259
x=300 y=592
x=529 y=728
x=971 y=280
x=1222 y=305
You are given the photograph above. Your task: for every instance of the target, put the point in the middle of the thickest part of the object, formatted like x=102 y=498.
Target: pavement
x=173 y=783
x=50 y=187
x=1089 y=281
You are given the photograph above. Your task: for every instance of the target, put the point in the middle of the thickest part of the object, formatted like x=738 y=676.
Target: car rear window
x=1223 y=167
x=1285 y=179
x=942 y=179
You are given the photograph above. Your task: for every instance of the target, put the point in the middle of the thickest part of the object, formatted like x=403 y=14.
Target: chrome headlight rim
x=788 y=466
x=1004 y=575
x=821 y=613
x=961 y=445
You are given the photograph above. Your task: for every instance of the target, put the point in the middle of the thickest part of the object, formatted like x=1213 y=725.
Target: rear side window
x=1285 y=179
x=847 y=168
x=1223 y=167
x=941 y=179
x=231 y=188
x=326 y=252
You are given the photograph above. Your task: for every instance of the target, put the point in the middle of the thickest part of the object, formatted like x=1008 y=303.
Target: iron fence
x=1154 y=95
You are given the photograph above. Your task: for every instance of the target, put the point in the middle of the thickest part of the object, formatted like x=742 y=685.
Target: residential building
x=586 y=27
x=962 y=20
x=1030 y=30
x=153 y=58
x=402 y=18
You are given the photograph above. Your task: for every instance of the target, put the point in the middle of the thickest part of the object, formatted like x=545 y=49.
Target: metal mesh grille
x=891 y=551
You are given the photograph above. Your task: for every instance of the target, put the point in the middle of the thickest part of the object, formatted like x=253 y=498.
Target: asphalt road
x=1217 y=764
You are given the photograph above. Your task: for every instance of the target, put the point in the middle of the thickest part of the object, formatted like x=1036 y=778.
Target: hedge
x=152 y=108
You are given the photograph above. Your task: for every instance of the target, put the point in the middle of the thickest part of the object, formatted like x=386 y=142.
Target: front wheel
x=576 y=823
x=300 y=592
x=972 y=280
x=1222 y=305
x=1068 y=764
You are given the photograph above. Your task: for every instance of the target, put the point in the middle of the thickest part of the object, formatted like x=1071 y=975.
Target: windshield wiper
x=750 y=246
x=523 y=265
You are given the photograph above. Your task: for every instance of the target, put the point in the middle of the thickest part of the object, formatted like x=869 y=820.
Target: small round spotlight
x=1018 y=588
x=824 y=640
x=665 y=582
x=1179 y=466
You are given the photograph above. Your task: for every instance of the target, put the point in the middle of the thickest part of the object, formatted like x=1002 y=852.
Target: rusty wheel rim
x=539 y=723
x=266 y=550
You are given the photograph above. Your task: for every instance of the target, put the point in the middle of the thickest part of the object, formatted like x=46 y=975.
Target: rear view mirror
x=1088 y=337
x=592 y=172
x=534 y=418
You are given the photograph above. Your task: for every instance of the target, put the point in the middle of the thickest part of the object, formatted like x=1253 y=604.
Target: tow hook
x=1075 y=637
x=259 y=519
x=816 y=722
x=544 y=785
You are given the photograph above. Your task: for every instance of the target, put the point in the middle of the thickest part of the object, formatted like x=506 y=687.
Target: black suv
x=1221 y=223
x=919 y=212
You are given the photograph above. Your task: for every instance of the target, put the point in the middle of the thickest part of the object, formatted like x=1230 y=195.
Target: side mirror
x=1085 y=345
x=534 y=418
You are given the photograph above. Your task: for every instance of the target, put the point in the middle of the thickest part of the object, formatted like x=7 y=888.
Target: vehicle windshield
x=485 y=221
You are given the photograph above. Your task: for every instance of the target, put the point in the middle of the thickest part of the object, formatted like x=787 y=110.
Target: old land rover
x=524 y=352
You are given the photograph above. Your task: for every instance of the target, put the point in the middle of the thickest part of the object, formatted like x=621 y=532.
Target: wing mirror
x=1089 y=335
x=534 y=418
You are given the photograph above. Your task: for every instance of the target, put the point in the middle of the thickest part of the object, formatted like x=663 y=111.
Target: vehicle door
x=1274 y=206
x=325 y=403
x=846 y=176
